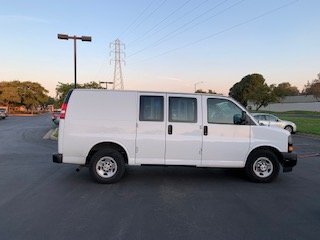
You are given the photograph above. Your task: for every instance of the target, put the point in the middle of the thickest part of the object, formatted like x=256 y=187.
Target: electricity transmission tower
x=117 y=53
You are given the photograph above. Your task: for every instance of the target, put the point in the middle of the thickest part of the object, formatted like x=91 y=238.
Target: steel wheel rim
x=263 y=167
x=106 y=167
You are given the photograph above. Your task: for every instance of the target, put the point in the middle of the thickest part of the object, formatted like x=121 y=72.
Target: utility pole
x=117 y=53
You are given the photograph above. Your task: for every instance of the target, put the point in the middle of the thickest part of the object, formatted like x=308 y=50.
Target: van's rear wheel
x=262 y=166
x=107 y=166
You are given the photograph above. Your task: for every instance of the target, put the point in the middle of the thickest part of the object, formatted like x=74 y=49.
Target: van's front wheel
x=107 y=166
x=262 y=166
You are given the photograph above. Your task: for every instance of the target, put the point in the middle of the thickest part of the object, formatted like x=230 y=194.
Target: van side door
x=183 y=130
x=150 y=138
x=225 y=141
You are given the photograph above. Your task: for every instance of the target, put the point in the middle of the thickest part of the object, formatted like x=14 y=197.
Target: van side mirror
x=240 y=119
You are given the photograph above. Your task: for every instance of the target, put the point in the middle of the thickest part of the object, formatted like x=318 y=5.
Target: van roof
x=141 y=91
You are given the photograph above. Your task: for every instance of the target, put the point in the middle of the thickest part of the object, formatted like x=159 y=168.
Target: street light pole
x=75 y=61
x=75 y=38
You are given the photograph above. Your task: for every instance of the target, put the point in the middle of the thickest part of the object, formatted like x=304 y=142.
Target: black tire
x=262 y=166
x=107 y=162
x=289 y=129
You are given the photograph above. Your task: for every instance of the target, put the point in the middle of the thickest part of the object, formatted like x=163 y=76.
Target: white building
x=292 y=103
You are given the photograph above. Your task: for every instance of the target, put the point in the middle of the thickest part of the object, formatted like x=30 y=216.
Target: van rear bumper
x=57 y=158
x=289 y=160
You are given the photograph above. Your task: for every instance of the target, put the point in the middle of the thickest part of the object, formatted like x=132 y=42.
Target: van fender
x=270 y=147
x=104 y=145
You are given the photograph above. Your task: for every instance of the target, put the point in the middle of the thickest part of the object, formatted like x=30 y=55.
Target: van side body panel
x=150 y=139
x=183 y=144
x=99 y=116
x=225 y=144
x=264 y=136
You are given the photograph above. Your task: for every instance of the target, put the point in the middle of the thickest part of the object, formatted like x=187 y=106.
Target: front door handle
x=170 y=129
x=205 y=130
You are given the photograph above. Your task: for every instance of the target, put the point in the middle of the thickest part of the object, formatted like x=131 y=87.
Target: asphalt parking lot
x=43 y=200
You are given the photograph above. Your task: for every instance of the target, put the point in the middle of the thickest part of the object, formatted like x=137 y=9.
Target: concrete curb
x=22 y=115
x=54 y=132
x=51 y=134
x=48 y=134
x=25 y=114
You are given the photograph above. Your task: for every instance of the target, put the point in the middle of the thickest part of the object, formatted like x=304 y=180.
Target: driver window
x=222 y=111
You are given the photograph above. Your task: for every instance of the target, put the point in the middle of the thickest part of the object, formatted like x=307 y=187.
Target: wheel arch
x=107 y=145
x=268 y=148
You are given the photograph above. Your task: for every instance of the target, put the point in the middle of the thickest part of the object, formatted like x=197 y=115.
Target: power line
x=150 y=14
x=225 y=30
x=142 y=13
x=166 y=37
x=155 y=26
x=207 y=19
x=137 y=18
x=177 y=19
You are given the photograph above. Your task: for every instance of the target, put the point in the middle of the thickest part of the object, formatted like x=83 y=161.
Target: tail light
x=65 y=105
x=63 y=110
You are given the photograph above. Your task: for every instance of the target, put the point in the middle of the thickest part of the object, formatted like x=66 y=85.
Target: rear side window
x=151 y=108
x=182 y=109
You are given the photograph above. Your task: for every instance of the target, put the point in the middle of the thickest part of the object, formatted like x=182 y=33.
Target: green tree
x=313 y=88
x=285 y=89
x=62 y=89
x=28 y=94
x=203 y=91
x=211 y=92
x=200 y=91
x=9 y=94
x=51 y=101
x=32 y=95
x=91 y=85
x=252 y=88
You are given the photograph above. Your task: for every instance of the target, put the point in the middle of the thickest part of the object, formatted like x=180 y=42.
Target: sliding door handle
x=205 y=130
x=169 y=129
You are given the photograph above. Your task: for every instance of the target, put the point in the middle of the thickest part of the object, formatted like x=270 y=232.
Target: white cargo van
x=107 y=130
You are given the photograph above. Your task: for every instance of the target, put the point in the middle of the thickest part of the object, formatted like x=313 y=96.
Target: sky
x=170 y=45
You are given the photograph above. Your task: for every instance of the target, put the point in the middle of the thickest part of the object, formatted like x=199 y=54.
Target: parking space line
x=307 y=155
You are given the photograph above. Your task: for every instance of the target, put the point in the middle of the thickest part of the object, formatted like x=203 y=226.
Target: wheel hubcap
x=106 y=167
x=263 y=167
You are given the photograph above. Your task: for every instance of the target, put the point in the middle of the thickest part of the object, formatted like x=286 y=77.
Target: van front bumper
x=57 y=158
x=289 y=160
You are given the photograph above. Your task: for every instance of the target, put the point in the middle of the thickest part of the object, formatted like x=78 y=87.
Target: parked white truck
x=107 y=130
